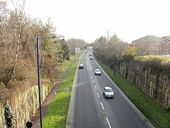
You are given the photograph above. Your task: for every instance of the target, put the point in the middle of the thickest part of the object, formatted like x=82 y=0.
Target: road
x=89 y=109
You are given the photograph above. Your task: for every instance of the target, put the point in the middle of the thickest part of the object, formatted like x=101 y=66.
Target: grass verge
x=56 y=115
x=158 y=115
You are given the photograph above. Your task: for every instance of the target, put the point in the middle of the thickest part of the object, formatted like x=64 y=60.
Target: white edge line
x=108 y=122
x=102 y=105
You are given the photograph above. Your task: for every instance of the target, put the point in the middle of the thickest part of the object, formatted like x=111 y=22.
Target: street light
x=38 y=70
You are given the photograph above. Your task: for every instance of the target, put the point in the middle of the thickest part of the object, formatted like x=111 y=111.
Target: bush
x=8 y=117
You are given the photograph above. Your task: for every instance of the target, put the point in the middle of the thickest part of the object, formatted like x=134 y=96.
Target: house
x=152 y=45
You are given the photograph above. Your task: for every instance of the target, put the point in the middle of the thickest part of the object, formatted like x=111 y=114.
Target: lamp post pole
x=38 y=75
x=38 y=72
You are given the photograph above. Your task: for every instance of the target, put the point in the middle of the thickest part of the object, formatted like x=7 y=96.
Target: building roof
x=149 y=38
x=166 y=38
x=152 y=39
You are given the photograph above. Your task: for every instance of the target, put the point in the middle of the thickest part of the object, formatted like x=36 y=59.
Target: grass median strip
x=158 y=115
x=56 y=115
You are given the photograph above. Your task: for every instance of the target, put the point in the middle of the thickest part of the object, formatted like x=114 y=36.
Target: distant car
x=81 y=66
x=97 y=72
x=108 y=92
x=91 y=58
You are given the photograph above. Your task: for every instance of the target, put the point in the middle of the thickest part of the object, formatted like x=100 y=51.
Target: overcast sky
x=90 y=19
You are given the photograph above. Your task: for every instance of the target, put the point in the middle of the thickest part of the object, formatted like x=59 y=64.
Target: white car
x=81 y=66
x=97 y=72
x=91 y=58
x=108 y=92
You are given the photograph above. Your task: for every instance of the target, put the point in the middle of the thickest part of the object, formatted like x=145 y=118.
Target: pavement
x=89 y=109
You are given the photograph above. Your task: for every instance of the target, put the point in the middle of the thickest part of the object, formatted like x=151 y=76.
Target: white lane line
x=102 y=105
x=93 y=81
x=108 y=122
x=98 y=95
x=95 y=86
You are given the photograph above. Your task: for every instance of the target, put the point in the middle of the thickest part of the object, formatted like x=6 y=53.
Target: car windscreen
x=108 y=90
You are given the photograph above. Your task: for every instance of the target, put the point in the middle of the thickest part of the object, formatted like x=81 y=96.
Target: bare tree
x=73 y=43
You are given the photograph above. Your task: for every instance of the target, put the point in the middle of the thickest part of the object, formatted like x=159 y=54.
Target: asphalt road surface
x=89 y=109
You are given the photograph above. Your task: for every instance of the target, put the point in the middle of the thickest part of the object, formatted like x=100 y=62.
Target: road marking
x=102 y=105
x=98 y=95
x=93 y=81
x=108 y=122
x=95 y=86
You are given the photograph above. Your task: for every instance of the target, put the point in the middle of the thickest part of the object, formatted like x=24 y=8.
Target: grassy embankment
x=56 y=115
x=159 y=117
